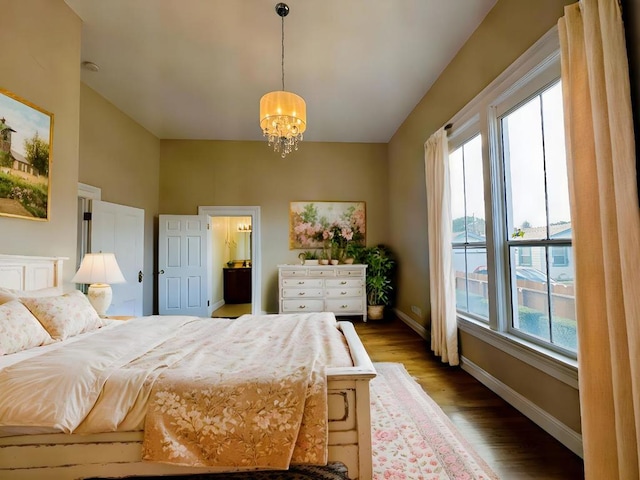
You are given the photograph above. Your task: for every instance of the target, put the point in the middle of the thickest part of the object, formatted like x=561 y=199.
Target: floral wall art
x=315 y=225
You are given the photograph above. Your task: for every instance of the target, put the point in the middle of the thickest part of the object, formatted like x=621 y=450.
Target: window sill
x=552 y=363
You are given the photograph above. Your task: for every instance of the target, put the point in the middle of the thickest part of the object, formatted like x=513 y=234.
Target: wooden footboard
x=118 y=454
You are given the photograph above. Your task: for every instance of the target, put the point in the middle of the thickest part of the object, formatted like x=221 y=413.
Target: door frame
x=256 y=260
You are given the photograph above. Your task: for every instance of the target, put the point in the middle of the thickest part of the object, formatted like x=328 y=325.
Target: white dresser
x=340 y=289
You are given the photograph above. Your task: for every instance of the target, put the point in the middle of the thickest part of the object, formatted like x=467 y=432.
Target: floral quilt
x=265 y=411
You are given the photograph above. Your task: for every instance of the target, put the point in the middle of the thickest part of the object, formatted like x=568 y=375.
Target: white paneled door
x=183 y=265
x=119 y=229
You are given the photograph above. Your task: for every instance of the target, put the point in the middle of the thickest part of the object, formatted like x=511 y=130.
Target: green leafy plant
x=310 y=255
x=355 y=251
x=380 y=267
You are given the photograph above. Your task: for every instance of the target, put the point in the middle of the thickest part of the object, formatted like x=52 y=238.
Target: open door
x=119 y=229
x=183 y=265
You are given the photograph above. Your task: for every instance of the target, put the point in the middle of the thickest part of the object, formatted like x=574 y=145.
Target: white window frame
x=463 y=135
x=537 y=67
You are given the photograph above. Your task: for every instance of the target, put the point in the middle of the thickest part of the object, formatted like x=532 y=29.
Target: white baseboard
x=217 y=305
x=558 y=430
x=415 y=326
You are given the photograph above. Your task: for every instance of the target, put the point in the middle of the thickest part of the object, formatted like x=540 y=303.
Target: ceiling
x=196 y=69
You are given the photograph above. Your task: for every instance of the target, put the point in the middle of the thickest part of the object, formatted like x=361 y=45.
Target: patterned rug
x=412 y=437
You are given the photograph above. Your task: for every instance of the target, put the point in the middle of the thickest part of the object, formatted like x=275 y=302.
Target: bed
x=41 y=453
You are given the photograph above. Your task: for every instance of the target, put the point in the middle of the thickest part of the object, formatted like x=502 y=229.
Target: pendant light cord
x=282 y=53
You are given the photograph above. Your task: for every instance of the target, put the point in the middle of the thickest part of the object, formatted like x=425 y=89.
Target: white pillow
x=19 y=329
x=65 y=315
x=9 y=294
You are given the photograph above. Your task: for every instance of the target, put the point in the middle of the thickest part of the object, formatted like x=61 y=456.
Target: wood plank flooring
x=510 y=443
x=232 y=310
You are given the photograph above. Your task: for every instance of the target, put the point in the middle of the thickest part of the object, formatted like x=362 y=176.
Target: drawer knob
x=343 y=282
x=343 y=293
x=302 y=306
x=301 y=293
x=301 y=282
x=343 y=306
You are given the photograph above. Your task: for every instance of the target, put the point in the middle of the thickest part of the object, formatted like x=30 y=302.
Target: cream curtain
x=606 y=234
x=444 y=329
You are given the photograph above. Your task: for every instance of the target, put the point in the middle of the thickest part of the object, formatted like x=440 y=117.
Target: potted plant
x=324 y=258
x=380 y=266
x=309 y=257
x=353 y=252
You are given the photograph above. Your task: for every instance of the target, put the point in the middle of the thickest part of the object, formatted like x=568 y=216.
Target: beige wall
x=509 y=29
x=122 y=158
x=195 y=173
x=41 y=63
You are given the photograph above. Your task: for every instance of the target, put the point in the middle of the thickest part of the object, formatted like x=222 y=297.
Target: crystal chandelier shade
x=283 y=119
x=283 y=115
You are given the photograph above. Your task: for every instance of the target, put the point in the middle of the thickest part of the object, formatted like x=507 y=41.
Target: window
x=560 y=256
x=512 y=225
x=524 y=256
x=537 y=207
x=469 y=238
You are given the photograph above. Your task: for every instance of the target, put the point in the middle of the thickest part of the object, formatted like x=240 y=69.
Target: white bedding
x=8 y=360
x=119 y=364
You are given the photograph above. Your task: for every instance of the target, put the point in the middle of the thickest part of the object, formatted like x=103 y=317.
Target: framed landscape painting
x=313 y=224
x=26 y=135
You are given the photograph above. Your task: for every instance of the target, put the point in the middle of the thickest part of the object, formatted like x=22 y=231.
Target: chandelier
x=283 y=115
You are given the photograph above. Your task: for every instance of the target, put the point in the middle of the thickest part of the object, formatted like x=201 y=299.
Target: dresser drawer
x=302 y=305
x=323 y=272
x=345 y=305
x=294 y=272
x=355 y=272
x=301 y=292
x=344 y=282
x=342 y=292
x=302 y=282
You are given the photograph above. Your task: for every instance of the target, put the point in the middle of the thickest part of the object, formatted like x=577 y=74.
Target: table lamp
x=99 y=270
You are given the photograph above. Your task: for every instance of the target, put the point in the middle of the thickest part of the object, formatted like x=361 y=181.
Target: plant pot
x=334 y=261
x=323 y=261
x=375 y=312
x=348 y=260
x=310 y=262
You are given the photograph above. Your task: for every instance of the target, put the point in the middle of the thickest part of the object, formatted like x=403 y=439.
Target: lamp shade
x=99 y=268
x=283 y=114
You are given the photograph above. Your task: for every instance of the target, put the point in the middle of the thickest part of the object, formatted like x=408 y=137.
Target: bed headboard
x=21 y=272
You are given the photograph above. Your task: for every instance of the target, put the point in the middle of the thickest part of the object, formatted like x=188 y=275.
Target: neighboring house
x=561 y=258
x=476 y=258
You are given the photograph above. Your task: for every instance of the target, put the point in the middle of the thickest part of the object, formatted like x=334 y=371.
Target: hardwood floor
x=510 y=443
x=232 y=310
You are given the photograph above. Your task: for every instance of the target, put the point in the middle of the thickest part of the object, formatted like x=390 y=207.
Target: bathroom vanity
x=237 y=284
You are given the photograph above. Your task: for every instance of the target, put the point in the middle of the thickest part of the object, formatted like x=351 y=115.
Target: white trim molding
x=415 y=326
x=89 y=191
x=256 y=248
x=558 y=430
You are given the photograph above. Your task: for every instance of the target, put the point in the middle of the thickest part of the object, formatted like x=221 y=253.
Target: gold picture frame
x=312 y=224
x=26 y=143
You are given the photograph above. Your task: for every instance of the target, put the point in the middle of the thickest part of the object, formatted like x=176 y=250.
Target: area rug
x=412 y=438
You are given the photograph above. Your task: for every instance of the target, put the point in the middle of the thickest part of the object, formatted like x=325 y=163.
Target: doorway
x=235 y=259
